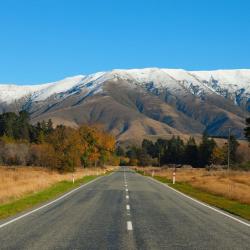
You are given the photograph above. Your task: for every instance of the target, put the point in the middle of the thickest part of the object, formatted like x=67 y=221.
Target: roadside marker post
x=174 y=177
x=73 y=178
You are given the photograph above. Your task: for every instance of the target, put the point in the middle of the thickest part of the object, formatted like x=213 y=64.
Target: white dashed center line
x=129 y=223
x=129 y=226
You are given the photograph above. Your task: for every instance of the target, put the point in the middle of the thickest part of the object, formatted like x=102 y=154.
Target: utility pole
x=228 y=153
x=159 y=158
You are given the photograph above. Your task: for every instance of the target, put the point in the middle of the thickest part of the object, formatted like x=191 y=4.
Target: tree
x=8 y=124
x=205 y=150
x=191 y=154
x=49 y=126
x=22 y=127
x=67 y=146
x=149 y=147
x=100 y=146
x=174 y=151
x=144 y=159
x=161 y=147
x=119 y=151
x=219 y=155
x=247 y=129
x=15 y=126
x=233 y=146
x=132 y=152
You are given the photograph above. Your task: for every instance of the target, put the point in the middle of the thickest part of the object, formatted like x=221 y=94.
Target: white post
x=73 y=178
x=174 y=177
x=153 y=173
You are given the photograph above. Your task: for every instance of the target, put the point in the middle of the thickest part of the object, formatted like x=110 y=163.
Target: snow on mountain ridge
x=227 y=83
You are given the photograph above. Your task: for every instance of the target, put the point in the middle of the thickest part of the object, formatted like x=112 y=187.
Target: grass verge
x=34 y=199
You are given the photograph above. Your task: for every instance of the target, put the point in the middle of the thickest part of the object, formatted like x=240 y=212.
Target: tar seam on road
x=203 y=204
x=50 y=203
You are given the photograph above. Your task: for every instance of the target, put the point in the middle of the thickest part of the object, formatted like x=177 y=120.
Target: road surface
x=124 y=211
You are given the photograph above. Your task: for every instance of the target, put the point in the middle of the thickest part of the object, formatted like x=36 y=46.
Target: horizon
x=115 y=69
x=44 y=41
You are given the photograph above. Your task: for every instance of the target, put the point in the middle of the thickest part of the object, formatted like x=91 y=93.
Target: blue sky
x=46 y=40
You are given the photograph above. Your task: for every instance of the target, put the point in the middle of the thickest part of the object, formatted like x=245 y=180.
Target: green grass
x=231 y=206
x=34 y=199
x=140 y=172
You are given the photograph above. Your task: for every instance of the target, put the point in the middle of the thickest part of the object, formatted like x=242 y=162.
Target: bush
x=244 y=166
x=42 y=155
x=14 y=153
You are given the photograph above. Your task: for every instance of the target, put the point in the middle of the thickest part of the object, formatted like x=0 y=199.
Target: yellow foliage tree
x=218 y=155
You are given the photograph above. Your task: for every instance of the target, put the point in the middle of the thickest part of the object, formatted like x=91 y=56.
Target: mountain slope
x=134 y=103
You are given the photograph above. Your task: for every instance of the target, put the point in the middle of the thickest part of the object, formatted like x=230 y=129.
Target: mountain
x=138 y=103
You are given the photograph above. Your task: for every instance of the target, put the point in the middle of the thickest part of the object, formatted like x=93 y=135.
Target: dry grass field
x=233 y=184
x=17 y=182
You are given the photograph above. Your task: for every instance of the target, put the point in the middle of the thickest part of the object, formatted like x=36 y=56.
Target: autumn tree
x=219 y=155
x=100 y=146
x=68 y=147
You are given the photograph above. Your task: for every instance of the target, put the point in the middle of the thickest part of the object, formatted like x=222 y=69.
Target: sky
x=47 y=40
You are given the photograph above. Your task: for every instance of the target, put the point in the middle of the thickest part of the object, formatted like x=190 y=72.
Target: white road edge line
x=129 y=226
x=50 y=203
x=127 y=207
x=126 y=190
x=203 y=204
x=127 y=197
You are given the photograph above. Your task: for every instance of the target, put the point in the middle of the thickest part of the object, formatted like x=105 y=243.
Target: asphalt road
x=125 y=211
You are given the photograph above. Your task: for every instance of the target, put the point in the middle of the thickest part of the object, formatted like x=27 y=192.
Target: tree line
x=62 y=148
x=176 y=151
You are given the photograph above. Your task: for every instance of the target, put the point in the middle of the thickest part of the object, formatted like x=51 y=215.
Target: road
x=125 y=211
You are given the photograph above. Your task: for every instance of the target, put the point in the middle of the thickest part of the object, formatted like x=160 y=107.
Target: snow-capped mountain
x=232 y=84
x=189 y=101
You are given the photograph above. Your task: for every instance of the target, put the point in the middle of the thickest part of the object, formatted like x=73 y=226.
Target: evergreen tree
x=247 y=129
x=22 y=127
x=144 y=159
x=49 y=126
x=206 y=150
x=161 y=147
x=149 y=147
x=132 y=152
x=174 y=151
x=191 y=153
x=119 y=151
x=233 y=146
x=8 y=124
